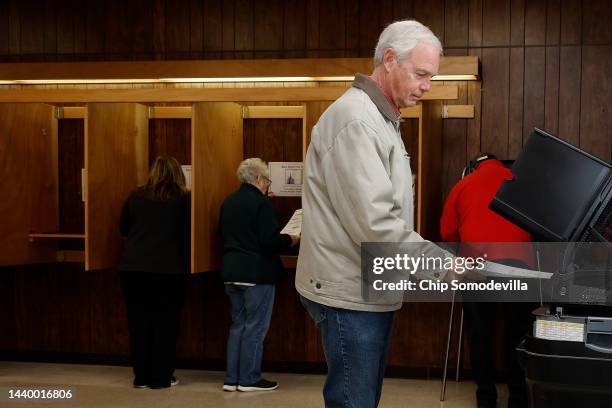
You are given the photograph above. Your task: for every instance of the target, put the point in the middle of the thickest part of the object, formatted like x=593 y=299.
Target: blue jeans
x=251 y=314
x=356 y=345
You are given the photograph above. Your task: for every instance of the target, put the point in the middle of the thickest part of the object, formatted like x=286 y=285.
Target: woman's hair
x=166 y=180
x=249 y=169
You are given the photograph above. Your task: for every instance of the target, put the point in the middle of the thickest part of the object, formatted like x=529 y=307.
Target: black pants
x=153 y=304
x=481 y=319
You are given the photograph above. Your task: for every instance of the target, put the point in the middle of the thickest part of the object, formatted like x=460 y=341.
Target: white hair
x=249 y=169
x=402 y=37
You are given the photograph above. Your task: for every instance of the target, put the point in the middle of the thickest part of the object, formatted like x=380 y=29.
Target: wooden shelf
x=249 y=68
x=55 y=235
x=70 y=256
x=146 y=95
x=289 y=261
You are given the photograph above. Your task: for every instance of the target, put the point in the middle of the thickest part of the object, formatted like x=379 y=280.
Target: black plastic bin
x=564 y=374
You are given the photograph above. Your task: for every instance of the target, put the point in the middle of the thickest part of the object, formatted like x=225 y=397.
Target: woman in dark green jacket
x=251 y=267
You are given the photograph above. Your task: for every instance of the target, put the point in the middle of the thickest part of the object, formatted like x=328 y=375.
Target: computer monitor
x=556 y=191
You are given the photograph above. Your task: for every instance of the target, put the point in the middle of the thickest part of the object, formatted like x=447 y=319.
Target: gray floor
x=106 y=386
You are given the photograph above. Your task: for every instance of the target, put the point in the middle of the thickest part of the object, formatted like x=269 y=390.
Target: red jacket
x=467 y=218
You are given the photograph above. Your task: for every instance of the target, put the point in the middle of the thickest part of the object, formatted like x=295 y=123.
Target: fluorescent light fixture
x=261 y=79
x=455 y=78
x=79 y=81
x=171 y=80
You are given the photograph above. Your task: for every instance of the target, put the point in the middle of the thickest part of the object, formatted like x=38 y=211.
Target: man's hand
x=474 y=276
x=452 y=275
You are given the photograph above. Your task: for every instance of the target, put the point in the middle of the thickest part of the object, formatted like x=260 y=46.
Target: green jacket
x=251 y=238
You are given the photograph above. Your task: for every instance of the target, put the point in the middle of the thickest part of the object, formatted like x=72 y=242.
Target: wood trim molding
x=71 y=112
x=273 y=112
x=412 y=113
x=147 y=95
x=55 y=236
x=154 y=112
x=170 y=112
x=458 y=111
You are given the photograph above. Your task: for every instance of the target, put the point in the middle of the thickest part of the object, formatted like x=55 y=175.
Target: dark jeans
x=356 y=345
x=251 y=314
x=153 y=304
x=481 y=318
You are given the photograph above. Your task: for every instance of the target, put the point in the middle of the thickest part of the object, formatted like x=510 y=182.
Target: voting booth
x=72 y=155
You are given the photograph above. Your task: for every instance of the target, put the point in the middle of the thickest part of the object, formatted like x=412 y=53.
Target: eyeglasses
x=267 y=179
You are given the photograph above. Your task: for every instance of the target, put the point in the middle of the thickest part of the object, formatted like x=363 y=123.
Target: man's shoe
x=230 y=387
x=173 y=381
x=261 y=385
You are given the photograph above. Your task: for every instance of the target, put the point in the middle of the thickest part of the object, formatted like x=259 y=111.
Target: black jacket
x=251 y=239
x=158 y=235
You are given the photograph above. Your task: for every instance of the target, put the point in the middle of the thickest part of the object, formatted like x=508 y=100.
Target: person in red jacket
x=467 y=219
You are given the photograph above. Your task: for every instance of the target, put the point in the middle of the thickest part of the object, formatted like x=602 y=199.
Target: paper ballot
x=187 y=173
x=493 y=269
x=294 y=226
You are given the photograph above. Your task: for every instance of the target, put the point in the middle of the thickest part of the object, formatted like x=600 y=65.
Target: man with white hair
x=358 y=188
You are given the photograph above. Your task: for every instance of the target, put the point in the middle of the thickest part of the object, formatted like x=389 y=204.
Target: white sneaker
x=230 y=387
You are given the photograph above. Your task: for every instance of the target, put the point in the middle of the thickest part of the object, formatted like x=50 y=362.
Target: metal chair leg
x=448 y=340
x=459 y=347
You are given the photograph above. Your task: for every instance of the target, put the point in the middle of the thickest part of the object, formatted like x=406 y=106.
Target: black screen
x=555 y=185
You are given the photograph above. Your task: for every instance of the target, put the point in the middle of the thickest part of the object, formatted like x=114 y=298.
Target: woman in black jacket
x=155 y=220
x=251 y=267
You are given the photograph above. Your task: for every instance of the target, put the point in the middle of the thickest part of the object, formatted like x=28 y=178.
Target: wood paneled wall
x=172 y=137
x=545 y=63
x=71 y=159
x=50 y=30
x=40 y=318
x=276 y=140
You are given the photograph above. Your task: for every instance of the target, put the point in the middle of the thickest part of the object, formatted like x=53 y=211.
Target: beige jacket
x=357 y=188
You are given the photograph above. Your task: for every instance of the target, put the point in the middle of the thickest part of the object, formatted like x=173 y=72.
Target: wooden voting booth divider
x=115 y=162
x=117 y=158
x=216 y=129
x=28 y=168
x=121 y=130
